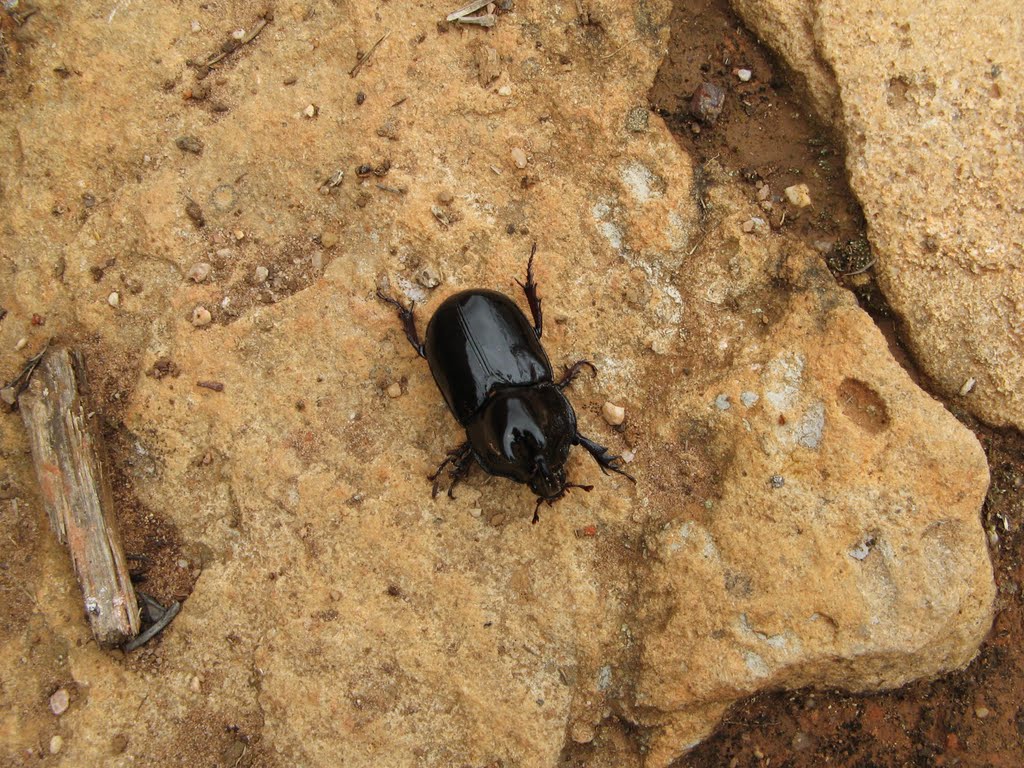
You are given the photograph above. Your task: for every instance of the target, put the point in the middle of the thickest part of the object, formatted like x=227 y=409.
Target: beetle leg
x=604 y=459
x=408 y=321
x=573 y=371
x=530 y=289
x=460 y=459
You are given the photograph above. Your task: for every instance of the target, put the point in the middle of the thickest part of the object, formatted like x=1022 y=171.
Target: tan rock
x=334 y=598
x=936 y=159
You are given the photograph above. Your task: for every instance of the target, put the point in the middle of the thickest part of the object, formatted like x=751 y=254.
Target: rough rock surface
x=804 y=514
x=928 y=102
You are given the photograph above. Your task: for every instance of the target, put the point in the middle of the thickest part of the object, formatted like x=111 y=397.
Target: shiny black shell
x=479 y=341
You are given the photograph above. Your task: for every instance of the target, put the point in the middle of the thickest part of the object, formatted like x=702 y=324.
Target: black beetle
x=488 y=362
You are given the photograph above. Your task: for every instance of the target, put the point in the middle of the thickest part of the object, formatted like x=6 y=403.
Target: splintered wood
x=76 y=492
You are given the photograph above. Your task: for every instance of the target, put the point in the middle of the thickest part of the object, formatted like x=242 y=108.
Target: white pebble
x=114 y=299
x=764 y=192
x=755 y=225
x=310 y=111
x=476 y=511
x=799 y=195
x=196 y=684
x=183 y=563
x=744 y=75
x=968 y=386
x=628 y=455
x=196 y=26
x=613 y=414
x=981 y=712
x=395 y=390
x=199 y=272
x=55 y=744
x=238 y=34
x=201 y=316
x=225 y=253
x=59 y=701
x=21 y=344
x=519 y=158
x=505 y=90
x=261 y=274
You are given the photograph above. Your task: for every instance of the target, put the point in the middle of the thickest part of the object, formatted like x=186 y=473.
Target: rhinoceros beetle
x=488 y=362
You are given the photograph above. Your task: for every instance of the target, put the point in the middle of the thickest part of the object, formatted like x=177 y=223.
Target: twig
x=365 y=57
x=860 y=271
x=9 y=393
x=154 y=630
x=244 y=41
x=484 y=20
x=465 y=10
x=616 y=51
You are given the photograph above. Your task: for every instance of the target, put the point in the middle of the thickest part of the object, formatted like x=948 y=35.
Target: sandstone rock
x=340 y=615
x=936 y=159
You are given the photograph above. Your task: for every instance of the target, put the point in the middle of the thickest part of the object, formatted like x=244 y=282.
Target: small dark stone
x=360 y=97
x=189 y=144
x=707 y=102
x=510 y=229
x=291 y=80
x=88 y=199
x=195 y=213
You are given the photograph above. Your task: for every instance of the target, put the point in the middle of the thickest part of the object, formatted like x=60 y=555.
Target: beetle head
x=545 y=483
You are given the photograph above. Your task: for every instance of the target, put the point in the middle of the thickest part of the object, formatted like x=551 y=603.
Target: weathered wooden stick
x=76 y=491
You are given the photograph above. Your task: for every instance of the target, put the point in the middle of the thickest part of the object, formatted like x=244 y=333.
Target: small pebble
x=519 y=158
x=182 y=563
x=55 y=744
x=189 y=144
x=197 y=273
x=445 y=197
x=59 y=701
x=196 y=684
x=260 y=275
x=238 y=34
x=239 y=235
x=328 y=238
x=225 y=253
x=196 y=26
x=799 y=195
x=707 y=102
x=744 y=75
x=310 y=111
x=21 y=344
x=476 y=511
x=777 y=481
x=613 y=414
x=114 y=299
x=764 y=192
x=968 y=386
x=981 y=712
x=395 y=390
x=755 y=225
x=428 y=277
x=722 y=402
x=628 y=455
x=505 y=90
x=201 y=317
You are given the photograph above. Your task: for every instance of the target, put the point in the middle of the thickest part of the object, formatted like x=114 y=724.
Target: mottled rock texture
x=927 y=98
x=804 y=514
